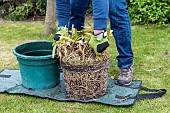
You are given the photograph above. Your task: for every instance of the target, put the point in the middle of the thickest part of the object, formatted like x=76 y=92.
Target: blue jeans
x=63 y=12
x=78 y=11
x=120 y=24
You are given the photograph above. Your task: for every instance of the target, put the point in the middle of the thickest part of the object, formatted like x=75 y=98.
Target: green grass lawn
x=151 y=46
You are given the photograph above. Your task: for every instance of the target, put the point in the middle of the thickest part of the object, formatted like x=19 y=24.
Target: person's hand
x=99 y=43
x=61 y=31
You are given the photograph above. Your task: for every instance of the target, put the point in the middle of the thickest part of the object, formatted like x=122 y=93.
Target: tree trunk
x=50 y=17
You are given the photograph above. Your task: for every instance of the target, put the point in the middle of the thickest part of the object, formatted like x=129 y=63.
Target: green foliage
x=20 y=9
x=90 y=9
x=150 y=11
x=20 y=12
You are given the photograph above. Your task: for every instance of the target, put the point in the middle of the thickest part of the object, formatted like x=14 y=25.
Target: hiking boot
x=125 y=76
x=61 y=31
x=99 y=42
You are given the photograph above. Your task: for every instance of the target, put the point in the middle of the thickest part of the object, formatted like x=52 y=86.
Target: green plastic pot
x=38 y=70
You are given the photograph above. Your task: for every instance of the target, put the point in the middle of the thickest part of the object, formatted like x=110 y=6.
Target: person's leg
x=78 y=11
x=63 y=14
x=100 y=14
x=120 y=24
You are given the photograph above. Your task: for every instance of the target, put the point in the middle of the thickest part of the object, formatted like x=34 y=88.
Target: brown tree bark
x=50 y=17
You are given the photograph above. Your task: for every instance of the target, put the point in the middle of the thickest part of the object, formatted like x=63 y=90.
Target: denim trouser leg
x=63 y=12
x=120 y=24
x=100 y=14
x=78 y=11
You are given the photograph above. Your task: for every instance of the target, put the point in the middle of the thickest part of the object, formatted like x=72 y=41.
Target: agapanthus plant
x=73 y=48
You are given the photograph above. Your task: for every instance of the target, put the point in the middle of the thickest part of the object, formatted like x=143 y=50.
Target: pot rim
x=18 y=55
